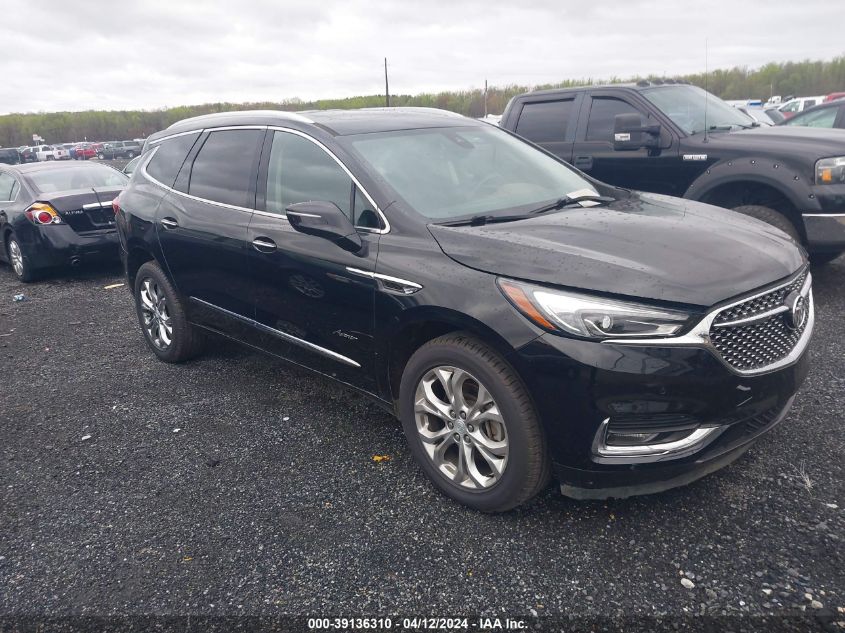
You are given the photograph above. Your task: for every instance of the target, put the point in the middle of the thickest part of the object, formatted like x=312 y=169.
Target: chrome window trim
x=143 y=169
x=699 y=336
x=282 y=335
x=170 y=136
x=358 y=184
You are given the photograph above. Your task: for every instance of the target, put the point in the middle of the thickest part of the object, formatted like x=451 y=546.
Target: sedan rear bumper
x=59 y=245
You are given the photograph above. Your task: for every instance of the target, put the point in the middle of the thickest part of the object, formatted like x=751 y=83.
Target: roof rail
x=284 y=114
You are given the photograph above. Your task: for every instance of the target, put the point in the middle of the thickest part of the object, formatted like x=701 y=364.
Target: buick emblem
x=796 y=310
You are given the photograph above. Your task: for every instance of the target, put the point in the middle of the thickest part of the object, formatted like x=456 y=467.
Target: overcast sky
x=116 y=54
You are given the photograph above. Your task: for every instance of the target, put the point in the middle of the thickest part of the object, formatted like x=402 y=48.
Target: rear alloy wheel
x=471 y=424
x=18 y=261
x=162 y=317
x=770 y=216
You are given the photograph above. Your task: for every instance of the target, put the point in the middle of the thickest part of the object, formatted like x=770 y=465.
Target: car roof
x=335 y=122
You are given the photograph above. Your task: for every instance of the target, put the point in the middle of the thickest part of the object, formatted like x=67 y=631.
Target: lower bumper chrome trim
x=644 y=453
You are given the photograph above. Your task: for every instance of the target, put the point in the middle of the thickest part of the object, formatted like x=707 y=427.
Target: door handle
x=169 y=223
x=264 y=244
x=584 y=162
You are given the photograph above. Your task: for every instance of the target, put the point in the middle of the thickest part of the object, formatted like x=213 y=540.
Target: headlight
x=588 y=316
x=830 y=171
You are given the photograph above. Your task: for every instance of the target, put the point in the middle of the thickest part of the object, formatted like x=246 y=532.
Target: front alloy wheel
x=471 y=424
x=461 y=427
x=156 y=317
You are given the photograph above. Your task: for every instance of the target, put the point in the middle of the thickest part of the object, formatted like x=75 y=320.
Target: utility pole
x=485 y=98
x=386 y=87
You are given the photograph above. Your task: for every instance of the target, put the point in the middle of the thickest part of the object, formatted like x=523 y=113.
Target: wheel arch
x=423 y=324
x=738 y=189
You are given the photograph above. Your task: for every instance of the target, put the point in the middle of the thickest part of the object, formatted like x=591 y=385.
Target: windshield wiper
x=728 y=128
x=575 y=197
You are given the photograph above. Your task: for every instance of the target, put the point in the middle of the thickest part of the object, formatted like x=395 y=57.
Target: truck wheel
x=101 y=156
x=471 y=425
x=130 y=155
x=770 y=216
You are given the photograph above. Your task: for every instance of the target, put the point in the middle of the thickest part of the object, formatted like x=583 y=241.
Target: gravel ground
x=234 y=485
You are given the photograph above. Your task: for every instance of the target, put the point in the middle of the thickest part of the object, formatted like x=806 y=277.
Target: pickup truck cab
x=678 y=140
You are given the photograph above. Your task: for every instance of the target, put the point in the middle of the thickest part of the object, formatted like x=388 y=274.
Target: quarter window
x=301 y=171
x=225 y=168
x=168 y=159
x=602 y=117
x=8 y=187
x=545 y=122
x=820 y=118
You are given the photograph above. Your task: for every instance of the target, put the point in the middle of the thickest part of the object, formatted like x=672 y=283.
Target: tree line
x=803 y=78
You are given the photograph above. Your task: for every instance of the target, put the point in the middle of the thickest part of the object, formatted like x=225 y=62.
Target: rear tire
x=162 y=317
x=19 y=262
x=101 y=156
x=130 y=155
x=516 y=466
x=770 y=216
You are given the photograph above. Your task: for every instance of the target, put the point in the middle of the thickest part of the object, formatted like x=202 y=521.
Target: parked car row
x=511 y=293
x=67 y=151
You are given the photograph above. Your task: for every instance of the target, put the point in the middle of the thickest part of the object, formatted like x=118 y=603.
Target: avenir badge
x=695 y=156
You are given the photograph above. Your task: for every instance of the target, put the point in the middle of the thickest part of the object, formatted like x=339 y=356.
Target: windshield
x=447 y=173
x=76 y=177
x=685 y=106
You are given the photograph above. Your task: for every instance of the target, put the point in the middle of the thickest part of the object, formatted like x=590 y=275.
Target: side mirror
x=629 y=133
x=326 y=220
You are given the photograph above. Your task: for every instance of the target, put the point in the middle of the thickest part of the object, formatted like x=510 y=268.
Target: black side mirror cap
x=629 y=133
x=326 y=220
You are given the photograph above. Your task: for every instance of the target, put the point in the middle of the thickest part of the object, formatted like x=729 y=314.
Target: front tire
x=20 y=265
x=771 y=216
x=101 y=156
x=471 y=424
x=162 y=317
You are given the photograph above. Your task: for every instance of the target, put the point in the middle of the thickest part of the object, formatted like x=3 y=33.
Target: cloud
x=104 y=54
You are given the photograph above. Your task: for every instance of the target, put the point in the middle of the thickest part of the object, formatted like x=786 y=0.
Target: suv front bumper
x=584 y=390
x=825 y=232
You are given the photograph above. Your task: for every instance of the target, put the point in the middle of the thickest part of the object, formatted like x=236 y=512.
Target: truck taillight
x=43 y=213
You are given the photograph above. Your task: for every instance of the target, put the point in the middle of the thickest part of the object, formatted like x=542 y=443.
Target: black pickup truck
x=676 y=139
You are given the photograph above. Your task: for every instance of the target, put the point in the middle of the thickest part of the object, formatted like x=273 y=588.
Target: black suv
x=518 y=317
x=679 y=140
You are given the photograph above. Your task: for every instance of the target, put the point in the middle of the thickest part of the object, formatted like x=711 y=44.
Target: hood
x=647 y=246
x=782 y=140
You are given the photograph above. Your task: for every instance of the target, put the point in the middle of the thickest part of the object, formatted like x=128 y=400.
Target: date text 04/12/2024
x=418 y=623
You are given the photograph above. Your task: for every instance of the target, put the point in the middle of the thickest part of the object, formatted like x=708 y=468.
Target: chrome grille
x=762 y=341
x=760 y=304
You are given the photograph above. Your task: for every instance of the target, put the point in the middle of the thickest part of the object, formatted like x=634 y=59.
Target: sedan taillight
x=43 y=213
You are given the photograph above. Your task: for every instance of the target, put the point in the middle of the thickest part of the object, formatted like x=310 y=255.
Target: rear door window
x=546 y=121
x=164 y=166
x=603 y=113
x=226 y=167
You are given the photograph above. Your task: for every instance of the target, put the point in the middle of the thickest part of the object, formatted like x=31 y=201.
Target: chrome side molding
x=278 y=333
x=391 y=284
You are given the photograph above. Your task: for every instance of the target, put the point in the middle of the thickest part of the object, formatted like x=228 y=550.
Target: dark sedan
x=54 y=214
x=826 y=115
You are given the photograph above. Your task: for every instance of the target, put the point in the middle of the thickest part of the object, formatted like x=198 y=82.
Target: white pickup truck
x=51 y=152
